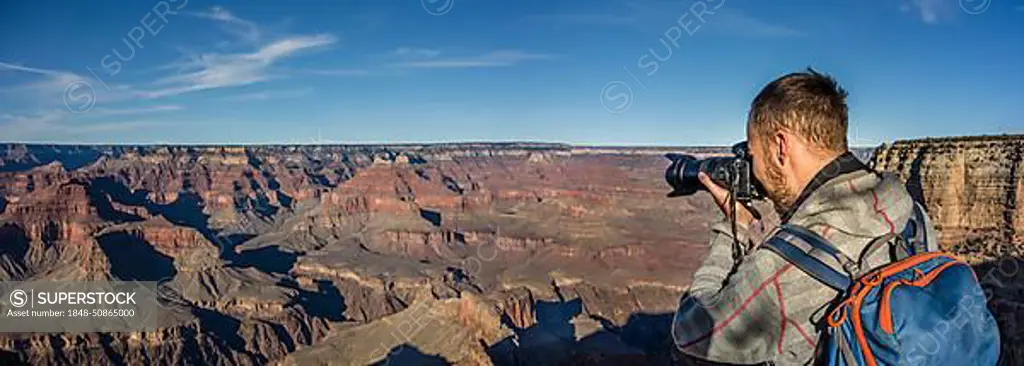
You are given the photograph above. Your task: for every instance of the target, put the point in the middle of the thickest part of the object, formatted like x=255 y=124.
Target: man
x=755 y=306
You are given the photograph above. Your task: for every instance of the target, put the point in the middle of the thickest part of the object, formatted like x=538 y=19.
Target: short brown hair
x=809 y=104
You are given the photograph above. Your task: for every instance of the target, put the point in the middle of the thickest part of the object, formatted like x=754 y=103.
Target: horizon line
x=397 y=143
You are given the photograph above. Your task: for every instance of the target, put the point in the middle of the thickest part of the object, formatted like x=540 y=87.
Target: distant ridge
x=1001 y=137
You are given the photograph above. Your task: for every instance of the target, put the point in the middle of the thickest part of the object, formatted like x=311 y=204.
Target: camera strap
x=738 y=249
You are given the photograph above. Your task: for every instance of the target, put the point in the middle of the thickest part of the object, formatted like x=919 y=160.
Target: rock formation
x=297 y=254
x=971 y=188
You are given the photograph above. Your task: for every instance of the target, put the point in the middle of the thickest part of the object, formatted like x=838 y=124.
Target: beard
x=777 y=189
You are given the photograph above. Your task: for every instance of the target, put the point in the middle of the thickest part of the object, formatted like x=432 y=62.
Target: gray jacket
x=763 y=309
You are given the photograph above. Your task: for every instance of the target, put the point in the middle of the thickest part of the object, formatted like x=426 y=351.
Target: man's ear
x=783 y=148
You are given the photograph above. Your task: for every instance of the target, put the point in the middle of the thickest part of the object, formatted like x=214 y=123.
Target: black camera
x=735 y=173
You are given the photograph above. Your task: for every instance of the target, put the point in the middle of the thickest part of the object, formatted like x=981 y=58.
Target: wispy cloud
x=241 y=28
x=196 y=72
x=219 y=70
x=46 y=124
x=54 y=83
x=33 y=70
x=269 y=95
x=929 y=11
x=490 y=59
x=251 y=55
x=53 y=80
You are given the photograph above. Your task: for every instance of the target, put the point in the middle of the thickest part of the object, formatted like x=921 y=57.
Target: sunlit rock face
x=298 y=254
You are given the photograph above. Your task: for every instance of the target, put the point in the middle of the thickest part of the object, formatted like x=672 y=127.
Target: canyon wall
x=971 y=188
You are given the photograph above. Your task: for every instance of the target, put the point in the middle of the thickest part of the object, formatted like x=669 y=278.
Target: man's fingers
x=720 y=194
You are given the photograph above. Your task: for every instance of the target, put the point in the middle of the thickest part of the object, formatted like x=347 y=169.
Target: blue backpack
x=923 y=308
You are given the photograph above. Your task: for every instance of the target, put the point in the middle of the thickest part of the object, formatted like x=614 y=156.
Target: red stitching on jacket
x=892 y=228
x=742 y=307
x=807 y=338
x=782 y=307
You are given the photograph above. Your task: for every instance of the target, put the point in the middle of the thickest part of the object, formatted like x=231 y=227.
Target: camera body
x=735 y=173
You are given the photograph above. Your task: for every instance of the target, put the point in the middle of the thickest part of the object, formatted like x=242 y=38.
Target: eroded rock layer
x=517 y=253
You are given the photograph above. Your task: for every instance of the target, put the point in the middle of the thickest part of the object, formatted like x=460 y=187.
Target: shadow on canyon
x=1003 y=282
x=327 y=302
x=407 y=354
x=187 y=210
x=915 y=184
x=134 y=259
x=15 y=242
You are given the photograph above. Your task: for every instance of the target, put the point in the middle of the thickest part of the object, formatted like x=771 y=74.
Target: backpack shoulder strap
x=812 y=254
x=915 y=233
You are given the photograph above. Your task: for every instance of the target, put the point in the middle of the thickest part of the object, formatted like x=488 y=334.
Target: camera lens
x=681 y=174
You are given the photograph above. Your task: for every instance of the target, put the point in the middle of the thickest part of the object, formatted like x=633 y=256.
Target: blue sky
x=636 y=72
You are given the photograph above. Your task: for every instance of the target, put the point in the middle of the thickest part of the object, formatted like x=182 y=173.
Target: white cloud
x=61 y=122
x=250 y=61
x=219 y=70
x=53 y=80
x=491 y=59
x=285 y=47
x=54 y=84
x=13 y=67
x=930 y=11
x=241 y=28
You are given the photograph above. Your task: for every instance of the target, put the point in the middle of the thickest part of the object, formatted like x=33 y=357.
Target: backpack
x=923 y=308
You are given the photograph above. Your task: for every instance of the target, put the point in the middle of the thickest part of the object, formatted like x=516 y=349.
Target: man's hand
x=721 y=195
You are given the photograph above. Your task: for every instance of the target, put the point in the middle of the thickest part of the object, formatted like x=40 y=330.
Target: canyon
x=467 y=254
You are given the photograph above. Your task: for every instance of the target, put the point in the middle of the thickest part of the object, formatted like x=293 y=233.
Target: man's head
x=797 y=125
